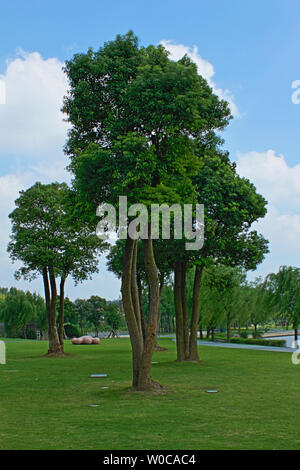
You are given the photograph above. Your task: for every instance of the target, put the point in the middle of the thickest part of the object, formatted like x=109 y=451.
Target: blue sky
x=251 y=50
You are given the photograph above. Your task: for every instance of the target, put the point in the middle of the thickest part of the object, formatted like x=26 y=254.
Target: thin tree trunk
x=134 y=290
x=61 y=311
x=194 y=356
x=140 y=294
x=178 y=312
x=161 y=285
x=185 y=313
x=228 y=327
x=212 y=333
x=145 y=381
x=296 y=337
x=201 y=332
x=136 y=338
x=47 y=296
x=54 y=344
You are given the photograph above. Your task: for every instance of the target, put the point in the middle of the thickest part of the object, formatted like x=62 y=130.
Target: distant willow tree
x=17 y=310
x=284 y=288
x=50 y=241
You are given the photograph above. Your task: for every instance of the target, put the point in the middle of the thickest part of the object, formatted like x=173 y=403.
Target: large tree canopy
x=137 y=121
x=50 y=241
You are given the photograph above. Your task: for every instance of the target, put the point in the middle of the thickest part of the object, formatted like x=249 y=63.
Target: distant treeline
x=23 y=315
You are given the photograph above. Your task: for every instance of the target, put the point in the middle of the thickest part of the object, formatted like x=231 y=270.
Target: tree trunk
x=161 y=285
x=296 y=337
x=54 y=344
x=145 y=381
x=179 y=312
x=185 y=313
x=61 y=312
x=212 y=333
x=194 y=356
x=201 y=332
x=228 y=327
x=140 y=294
x=136 y=337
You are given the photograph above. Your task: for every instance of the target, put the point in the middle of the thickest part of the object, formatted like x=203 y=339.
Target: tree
x=284 y=287
x=96 y=309
x=211 y=310
x=224 y=284
x=18 y=309
x=82 y=309
x=49 y=241
x=136 y=118
x=113 y=318
x=231 y=205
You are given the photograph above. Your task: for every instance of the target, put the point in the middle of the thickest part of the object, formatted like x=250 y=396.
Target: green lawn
x=44 y=401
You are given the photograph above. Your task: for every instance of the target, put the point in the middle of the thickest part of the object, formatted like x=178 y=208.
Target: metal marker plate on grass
x=98 y=376
x=212 y=391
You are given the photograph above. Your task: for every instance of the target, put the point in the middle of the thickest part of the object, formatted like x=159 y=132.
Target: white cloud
x=280 y=185
x=31 y=123
x=205 y=68
x=32 y=135
x=272 y=176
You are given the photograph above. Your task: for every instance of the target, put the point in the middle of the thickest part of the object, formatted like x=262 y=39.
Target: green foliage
x=72 y=331
x=113 y=316
x=279 y=343
x=18 y=309
x=137 y=118
x=284 y=293
x=244 y=334
x=46 y=233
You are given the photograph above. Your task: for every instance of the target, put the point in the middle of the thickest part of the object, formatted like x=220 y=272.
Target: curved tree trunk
x=140 y=294
x=194 y=356
x=296 y=337
x=212 y=333
x=185 y=313
x=142 y=349
x=136 y=338
x=228 y=327
x=161 y=285
x=61 y=311
x=145 y=380
x=178 y=312
x=51 y=299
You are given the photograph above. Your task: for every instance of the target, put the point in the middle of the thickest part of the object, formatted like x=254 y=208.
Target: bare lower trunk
x=51 y=299
x=213 y=333
x=161 y=285
x=179 y=312
x=145 y=381
x=200 y=332
x=136 y=338
x=185 y=313
x=140 y=294
x=61 y=311
x=194 y=356
x=296 y=336
x=228 y=327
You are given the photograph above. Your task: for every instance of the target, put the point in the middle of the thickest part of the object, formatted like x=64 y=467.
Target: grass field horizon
x=44 y=402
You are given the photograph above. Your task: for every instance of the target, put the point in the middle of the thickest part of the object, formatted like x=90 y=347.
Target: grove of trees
x=148 y=128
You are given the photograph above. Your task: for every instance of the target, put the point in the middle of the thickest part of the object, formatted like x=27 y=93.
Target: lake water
x=289 y=340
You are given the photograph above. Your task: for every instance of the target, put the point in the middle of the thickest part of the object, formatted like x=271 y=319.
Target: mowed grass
x=44 y=402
